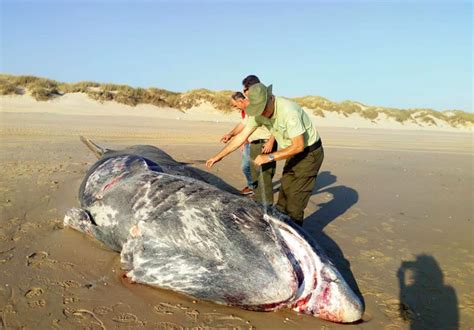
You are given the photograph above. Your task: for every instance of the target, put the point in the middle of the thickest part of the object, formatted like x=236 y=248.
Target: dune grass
x=43 y=89
x=8 y=88
x=461 y=118
x=427 y=116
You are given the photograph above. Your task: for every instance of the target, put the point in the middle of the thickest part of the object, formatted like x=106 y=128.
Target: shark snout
x=335 y=301
x=350 y=306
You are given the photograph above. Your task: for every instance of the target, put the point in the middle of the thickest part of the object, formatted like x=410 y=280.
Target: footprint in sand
x=37 y=303
x=126 y=318
x=102 y=310
x=39 y=259
x=201 y=320
x=84 y=318
x=69 y=300
x=168 y=326
x=193 y=315
x=34 y=292
x=165 y=308
x=223 y=321
x=5 y=256
x=69 y=284
x=120 y=313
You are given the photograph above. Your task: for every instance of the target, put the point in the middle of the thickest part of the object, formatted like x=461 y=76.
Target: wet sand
x=392 y=208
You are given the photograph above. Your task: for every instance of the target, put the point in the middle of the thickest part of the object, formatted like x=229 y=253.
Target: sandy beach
x=392 y=208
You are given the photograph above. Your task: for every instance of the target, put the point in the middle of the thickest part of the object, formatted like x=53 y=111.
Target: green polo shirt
x=288 y=121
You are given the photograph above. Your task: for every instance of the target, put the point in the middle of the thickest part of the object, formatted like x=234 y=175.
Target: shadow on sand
x=343 y=198
x=425 y=301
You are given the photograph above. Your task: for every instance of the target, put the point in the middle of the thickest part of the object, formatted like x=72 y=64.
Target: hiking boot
x=246 y=191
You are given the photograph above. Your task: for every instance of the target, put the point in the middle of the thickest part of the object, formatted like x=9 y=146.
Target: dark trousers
x=263 y=175
x=297 y=183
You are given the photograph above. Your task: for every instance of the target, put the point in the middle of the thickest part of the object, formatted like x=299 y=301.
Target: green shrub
x=43 y=89
x=101 y=96
x=318 y=112
x=427 y=119
x=44 y=94
x=316 y=103
x=79 y=87
x=161 y=97
x=348 y=108
x=7 y=88
x=370 y=113
x=460 y=118
x=399 y=115
x=24 y=81
x=220 y=100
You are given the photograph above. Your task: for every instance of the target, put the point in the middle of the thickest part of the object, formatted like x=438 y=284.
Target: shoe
x=246 y=191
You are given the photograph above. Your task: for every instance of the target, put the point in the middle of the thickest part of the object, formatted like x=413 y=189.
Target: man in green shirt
x=299 y=144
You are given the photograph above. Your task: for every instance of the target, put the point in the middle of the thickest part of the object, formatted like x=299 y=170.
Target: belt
x=313 y=147
x=258 y=141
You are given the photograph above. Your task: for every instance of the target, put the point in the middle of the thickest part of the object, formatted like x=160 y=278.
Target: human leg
x=297 y=183
x=246 y=167
x=262 y=176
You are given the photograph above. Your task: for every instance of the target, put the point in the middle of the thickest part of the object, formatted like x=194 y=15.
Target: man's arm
x=236 y=130
x=297 y=146
x=233 y=145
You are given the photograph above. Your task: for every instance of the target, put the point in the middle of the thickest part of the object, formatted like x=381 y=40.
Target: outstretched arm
x=236 y=130
x=234 y=144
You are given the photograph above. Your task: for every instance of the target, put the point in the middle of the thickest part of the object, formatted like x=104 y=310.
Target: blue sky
x=401 y=54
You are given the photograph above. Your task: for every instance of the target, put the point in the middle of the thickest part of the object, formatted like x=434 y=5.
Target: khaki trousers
x=297 y=183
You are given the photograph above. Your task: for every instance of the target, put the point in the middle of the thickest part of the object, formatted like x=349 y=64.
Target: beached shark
x=178 y=232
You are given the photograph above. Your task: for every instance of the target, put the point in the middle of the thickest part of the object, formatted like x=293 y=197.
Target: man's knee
x=297 y=214
x=297 y=200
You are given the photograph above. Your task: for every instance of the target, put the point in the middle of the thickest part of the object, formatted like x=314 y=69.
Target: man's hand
x=261 y=159
x=267 y=147
x=211 y=161
x=236 y=142
x=226 y=138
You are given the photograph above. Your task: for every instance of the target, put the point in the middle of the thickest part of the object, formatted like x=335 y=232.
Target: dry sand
x=388 y=204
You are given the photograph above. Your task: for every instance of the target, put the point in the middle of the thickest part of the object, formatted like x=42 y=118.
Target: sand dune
x=81 y=104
